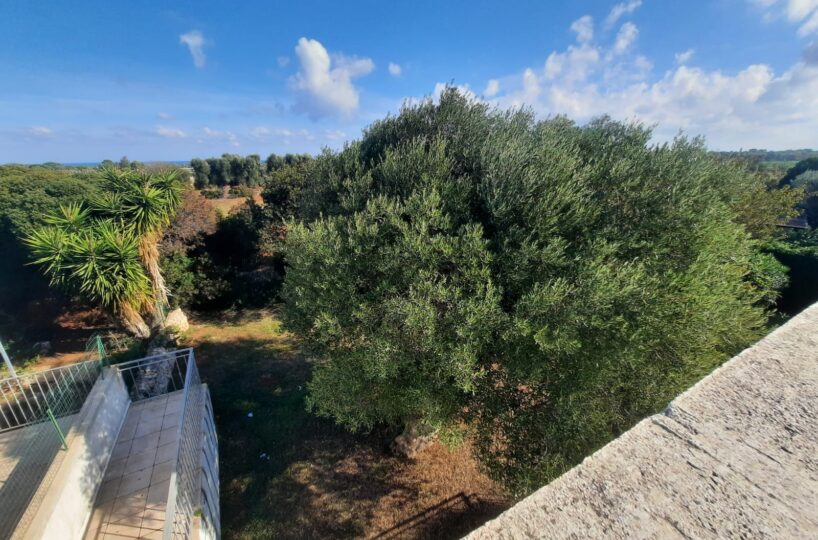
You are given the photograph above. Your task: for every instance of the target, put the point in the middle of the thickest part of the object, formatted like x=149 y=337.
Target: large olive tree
x=539 y=284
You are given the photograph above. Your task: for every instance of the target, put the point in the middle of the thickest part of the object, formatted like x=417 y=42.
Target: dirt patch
x=65 y=329
x=286 y=473
x=226 y=204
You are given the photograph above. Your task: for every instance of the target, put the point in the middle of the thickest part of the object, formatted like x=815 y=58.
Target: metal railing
x=156 y=375
x=185 y=483
x=162 y=374
x=37 y=410
x=27 y=399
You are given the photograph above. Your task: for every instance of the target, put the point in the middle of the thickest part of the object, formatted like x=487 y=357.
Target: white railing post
x=7 y=361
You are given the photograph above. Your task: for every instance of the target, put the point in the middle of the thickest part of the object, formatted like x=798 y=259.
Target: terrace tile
x=131 y=501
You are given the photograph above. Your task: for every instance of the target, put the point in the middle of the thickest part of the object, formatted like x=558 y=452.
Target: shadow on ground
x=286 y=473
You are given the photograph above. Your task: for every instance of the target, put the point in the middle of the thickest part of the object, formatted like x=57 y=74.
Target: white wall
x=66 y=508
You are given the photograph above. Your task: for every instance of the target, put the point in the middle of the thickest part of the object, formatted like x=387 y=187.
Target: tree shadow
x=286 y=473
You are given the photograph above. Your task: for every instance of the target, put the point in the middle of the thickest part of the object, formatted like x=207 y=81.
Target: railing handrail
x=25 y=399
x=170 y=508
x=30 y=374
x=158 y=357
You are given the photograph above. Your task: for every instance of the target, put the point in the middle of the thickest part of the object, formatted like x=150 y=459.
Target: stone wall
x=736 y=456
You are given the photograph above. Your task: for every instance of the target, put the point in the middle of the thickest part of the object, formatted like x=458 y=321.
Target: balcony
x=95 y=452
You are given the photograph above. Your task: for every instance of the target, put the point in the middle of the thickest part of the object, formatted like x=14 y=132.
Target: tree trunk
x=149 y=249
x=133 y=322
x=415 y=437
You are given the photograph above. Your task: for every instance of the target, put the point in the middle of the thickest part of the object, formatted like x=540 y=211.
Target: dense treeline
x=537 y=284
x=235 y=170
x=769 y=155
x=123 y=164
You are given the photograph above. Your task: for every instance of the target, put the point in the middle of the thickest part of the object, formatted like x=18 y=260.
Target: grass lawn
x=288 y=474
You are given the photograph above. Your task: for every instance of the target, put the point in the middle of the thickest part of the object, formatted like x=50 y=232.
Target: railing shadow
x=444 y=519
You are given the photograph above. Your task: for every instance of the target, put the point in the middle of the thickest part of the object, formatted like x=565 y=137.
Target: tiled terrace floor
x=134 y=492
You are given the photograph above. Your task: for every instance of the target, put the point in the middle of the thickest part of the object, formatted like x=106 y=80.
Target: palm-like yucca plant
x=145 y=202
x=108 y=251
x=101 y=263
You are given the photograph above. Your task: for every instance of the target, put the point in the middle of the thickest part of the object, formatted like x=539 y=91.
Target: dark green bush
x=543 y=284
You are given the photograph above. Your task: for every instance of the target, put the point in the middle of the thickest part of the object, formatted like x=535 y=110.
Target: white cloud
x=685 y=56
x=803 y=12
x=325 y=89
x=172 y=133
x=625 y=38
x=750 y=107
x=41 y=131
x=283 y=61
x=619 y=10
x=395 y=69
x=227 y=136
x=583 y=28
x=334 y=135
x=163 y=116
x=572 y=65
x=492 y=88
x=195 y=43
x=260 y=132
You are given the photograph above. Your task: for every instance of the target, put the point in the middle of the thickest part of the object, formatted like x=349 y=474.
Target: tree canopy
x=27 y=195
x=539 y=284
x=228 y=170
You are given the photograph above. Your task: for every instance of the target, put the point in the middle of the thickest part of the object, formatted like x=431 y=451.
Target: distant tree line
x=755 y=154
x=124 y=164
x=235 y=170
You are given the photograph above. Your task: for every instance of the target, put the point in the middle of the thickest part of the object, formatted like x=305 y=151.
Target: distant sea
x=96 y=163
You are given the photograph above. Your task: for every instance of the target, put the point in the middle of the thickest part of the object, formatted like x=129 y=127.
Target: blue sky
x=85 y=81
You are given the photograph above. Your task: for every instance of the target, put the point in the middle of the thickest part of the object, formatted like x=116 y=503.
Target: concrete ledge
x=735 y=456
x=67 y=504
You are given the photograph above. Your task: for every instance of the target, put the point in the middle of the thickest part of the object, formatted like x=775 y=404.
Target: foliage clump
x=542 y=284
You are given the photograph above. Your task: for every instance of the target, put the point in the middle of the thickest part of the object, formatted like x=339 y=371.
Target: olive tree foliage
x=228 y=170
x=538 y=284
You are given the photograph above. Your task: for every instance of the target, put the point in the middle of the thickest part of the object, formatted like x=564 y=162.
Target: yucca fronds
x=107 y=251
x=172 y=186
x=49 y=249
x=106 y=266
x=108 y=204
x=101 y=263
x=69 y=218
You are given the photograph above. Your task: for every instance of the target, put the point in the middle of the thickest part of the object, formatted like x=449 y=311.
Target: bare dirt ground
x=225 y=205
